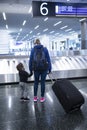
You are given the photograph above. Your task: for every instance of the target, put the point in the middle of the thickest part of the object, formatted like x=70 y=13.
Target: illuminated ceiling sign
x=43 y=8
x=18 y=43
x=65 y=10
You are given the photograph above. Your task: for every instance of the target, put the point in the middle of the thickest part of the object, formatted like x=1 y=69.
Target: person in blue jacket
x=38 y=74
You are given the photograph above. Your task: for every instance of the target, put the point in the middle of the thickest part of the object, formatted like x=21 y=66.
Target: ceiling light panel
x=38 y=33
x=82 y=19
x=6 y=26
x=68 y=30
x=52 y=32
x=24 y=22
x=64 y=27
x=72 y=32
x=31 y=32
x=45 y=30
x=20 y=29
x=30 y=10
x=36 y=27
x=56 y=33
x=4 y=15
x=57 y=23
x=46 y=19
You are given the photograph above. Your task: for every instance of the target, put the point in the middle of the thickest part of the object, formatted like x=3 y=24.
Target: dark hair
x=20 y=66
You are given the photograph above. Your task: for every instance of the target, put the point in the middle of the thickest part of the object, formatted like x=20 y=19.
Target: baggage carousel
x=62 y=67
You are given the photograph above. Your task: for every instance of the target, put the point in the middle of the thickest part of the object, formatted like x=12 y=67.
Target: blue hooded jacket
x=46 y=55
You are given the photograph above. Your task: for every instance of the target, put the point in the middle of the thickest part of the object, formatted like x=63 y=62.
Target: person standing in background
x=40 y=65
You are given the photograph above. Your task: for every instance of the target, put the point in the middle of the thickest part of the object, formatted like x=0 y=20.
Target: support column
x=84 y=34
x=67 y=44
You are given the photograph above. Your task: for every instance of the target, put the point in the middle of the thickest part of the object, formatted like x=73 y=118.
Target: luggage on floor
x=68 y=95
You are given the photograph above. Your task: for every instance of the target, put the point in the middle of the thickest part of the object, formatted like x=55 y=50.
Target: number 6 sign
x=44 y=9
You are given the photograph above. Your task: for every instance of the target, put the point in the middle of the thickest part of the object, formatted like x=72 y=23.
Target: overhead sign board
x=54 y=9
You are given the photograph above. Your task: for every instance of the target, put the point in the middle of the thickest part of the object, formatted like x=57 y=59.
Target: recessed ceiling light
x=56 y=33
x=52 y=32
x=72 y=32
x=38 y=33
x=82 y=19
x=24 y=22
x=4 y=15
x=45 y=30
x=64 y=27
x=27 y=35
x=68 y=30
x=18 y=33
x=6 y=26
x=30 y=10
x=46 y=19
x=31 y=32
x=20 y=29
x=36 y=27
x=60 y=35
x=57 y=23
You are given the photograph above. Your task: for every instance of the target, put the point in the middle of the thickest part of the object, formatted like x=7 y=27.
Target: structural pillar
x=67 y=44
x=84 y=34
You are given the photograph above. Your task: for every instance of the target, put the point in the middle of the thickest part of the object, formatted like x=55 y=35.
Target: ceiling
x=18 y=10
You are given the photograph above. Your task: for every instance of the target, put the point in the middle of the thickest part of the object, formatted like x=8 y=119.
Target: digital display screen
x=65 y=10
x=60 y=9
x=82 y=11
x=71 y=10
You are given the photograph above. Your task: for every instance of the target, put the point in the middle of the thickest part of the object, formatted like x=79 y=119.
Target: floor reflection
x=50 y=115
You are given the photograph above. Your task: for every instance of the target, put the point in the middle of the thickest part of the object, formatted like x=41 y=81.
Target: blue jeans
x=39 y=76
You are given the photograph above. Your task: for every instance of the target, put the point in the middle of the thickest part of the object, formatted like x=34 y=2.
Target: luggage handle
x=50 y=75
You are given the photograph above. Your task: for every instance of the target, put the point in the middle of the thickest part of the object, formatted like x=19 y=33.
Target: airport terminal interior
x=65 y=36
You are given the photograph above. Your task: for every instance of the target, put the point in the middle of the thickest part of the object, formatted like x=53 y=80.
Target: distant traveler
x=23 y=77
x=40 y=64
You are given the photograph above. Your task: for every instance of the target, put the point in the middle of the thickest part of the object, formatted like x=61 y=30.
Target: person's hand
x=49 y=71
x=31 y=73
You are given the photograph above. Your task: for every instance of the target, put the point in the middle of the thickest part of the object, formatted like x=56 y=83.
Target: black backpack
x=39 y=60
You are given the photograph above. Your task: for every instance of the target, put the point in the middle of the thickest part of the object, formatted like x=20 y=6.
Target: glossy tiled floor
x=16 y=115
